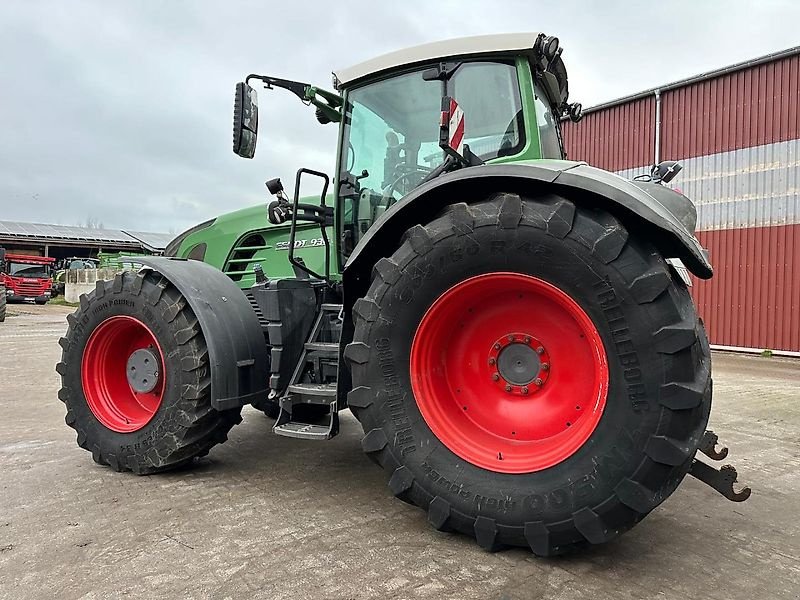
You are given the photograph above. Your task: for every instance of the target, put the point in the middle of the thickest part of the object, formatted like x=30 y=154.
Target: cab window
x=391 y=134
x=547 y=125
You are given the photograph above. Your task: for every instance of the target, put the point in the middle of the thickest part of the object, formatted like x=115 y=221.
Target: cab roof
x=465 y=46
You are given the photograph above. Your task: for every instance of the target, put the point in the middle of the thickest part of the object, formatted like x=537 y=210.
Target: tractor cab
x=391 y=134
x=409 y=116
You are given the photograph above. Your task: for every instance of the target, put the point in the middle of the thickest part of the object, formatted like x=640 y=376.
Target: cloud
x=122 y=111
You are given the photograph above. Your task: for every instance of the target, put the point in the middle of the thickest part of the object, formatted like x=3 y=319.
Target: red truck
x=27 y=277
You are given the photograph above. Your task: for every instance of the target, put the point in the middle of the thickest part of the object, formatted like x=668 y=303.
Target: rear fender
x=237 y=352
x=666 y=217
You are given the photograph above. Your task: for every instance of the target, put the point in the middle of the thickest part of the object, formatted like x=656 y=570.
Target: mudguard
x=666 y=217
x=237 y=352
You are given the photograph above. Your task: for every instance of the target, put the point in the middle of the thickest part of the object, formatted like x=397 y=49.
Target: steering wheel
x=390 y=190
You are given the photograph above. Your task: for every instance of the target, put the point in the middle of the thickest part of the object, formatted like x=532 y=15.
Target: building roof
x=76 y=236
x=697 y=78
x=480 y=44
x=154 y=242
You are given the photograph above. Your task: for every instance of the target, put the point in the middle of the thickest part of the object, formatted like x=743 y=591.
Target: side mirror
x=245 y=120
x=665 y=171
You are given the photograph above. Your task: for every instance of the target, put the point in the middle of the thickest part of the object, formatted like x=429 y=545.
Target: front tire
x=594 y=441
x=135 y=377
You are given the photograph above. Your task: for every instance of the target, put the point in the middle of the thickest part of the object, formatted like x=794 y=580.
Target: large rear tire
x=529 y=373
x=135 y=377
x=2 y=303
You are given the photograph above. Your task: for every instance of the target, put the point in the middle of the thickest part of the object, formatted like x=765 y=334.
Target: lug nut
x=497 y=346
x=545 y=366
x=492 y=361
x=510 y=338
x=538 y=381
x=508 y=388
x=525 y=390
x=540 y=350
x=495 y=377
x=527 y=339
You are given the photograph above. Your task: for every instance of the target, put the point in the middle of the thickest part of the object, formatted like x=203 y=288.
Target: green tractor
x=510 y=328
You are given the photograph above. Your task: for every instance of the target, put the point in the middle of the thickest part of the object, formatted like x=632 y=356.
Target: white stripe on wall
x=752 y=187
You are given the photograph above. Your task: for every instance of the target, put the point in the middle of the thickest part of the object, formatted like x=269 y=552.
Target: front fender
x=237 y=352
x=662 y=215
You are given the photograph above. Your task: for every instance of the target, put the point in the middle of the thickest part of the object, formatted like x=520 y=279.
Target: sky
x=120 y=113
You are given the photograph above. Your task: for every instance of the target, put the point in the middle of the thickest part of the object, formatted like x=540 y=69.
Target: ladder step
x=332 y=307
x=326 y=347
x=314 y=389
x=304 y=431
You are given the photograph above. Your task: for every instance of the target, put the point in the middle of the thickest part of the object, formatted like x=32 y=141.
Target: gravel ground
x=271 y=517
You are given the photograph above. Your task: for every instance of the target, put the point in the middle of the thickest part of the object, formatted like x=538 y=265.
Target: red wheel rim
x=104 y=374
x=475 y=349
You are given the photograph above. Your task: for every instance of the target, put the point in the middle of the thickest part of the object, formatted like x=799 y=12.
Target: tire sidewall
x=631 y=414
x=161 y=425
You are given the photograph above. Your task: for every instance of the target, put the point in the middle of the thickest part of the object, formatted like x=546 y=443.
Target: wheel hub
x=519 y=363
x=142 y=371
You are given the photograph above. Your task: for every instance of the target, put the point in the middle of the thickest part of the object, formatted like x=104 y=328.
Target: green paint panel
x=237 y=241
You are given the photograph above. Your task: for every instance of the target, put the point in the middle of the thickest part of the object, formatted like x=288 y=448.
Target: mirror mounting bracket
x=296 y=87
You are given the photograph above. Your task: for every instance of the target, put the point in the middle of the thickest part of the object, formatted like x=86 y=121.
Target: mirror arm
x=332 y=114
x=296 y=87
x=327 y=102
x=334 y=100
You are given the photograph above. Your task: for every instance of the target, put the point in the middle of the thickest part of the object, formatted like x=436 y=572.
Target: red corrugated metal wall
x=754 y=298
x=617 y=138
x=753 y=301
x=752 y=107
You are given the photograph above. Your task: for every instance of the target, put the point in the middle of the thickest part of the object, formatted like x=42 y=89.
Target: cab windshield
x=391 y=134
x=28 y=270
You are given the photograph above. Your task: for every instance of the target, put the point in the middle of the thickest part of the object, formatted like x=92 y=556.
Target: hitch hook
x=708 y=446
x=721 y=480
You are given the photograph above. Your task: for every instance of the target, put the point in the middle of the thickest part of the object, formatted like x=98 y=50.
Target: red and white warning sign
x=456 y=127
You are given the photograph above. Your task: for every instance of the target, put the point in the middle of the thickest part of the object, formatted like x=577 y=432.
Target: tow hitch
x=723 y=479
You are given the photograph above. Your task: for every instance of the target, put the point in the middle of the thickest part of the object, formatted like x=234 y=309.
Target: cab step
x=304 y=431
x=316 y=358
x=316 y=393
x=288 y=427
x=328 y=348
